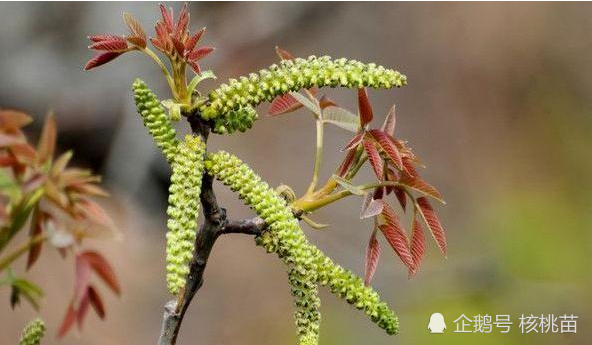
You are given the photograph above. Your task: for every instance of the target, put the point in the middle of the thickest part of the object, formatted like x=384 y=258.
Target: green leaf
x=341 y=118
x=345 y=184
x=305 y=101
x=24 y=288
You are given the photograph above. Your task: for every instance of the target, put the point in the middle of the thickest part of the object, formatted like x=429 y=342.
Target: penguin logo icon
x=437 y=324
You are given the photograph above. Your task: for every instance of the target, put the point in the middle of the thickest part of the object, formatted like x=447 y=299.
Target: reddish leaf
x=433 y=223
x=372 y=256
x=325 y=102
x=409 y=168
x=389 y=122
x=89 y=189
x=102 y=268
x=374 y=158
x=24 y=153
x=47 y=141
x=283 y=54
x=200 y=53
x=101 y=59
x=418 y=184
x=179 y=46
x=396 y=237
x=195 y=66
x=36 y=230
x=138 y=41
x=182 y=22
x=387 y=145
x=95 y=212
x=364 y=107
x=193 y=40
x=34 y=182
x=371 y=207
x=104 y=37
x=283 y=104
x=83 y=308
x=118 y=45
x=96 y=302
x=134 y=27
x=354 y=142
x=68 y=321
x=9 y=140
x=401 y=197
x=82 y=279
x=167 y=18
x=347 y=162
x=417 y=245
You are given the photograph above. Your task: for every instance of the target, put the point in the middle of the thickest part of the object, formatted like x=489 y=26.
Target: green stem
x=163 y=68
x=318 y=157
x=23 y=248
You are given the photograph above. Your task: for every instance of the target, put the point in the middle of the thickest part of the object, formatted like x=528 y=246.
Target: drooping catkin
x=33 y=333
x=287 y=239
x=237 y=120
x=294 y=75
x=183 y=210
x=155 y=119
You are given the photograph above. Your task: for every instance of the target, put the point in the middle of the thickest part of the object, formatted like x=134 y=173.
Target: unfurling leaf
x=101 y=59
x=314 y=107
x=401 y=197
x=283 y=104
x=390 y=120
x=353 y=142
x=374 y=158
x=341 y=118
x=396 y=237
x=433 y=223
x=68 y=321
x=96 y=302
x=137 y=33
x=417 y=246
x=371 y=207
x=102 y=268
x=36 y=230
x=347 y=162
x=418 y=184
x=364 y=107
x=372 y=256
x=46 y=145
x=283 y=54
x=325 y=102
x=387 y=145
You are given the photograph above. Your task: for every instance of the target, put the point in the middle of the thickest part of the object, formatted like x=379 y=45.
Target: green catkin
x=155 y=119
x=238 y=120
x=183 y=210
x=33 y=333
x=294 y=75
x=287 y=240
x=291 y=245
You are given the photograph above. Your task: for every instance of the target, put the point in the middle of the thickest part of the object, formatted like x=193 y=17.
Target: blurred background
x=498 y=107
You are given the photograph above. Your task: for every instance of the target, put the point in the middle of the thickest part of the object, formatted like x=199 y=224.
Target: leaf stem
x=23 y=248
x=163 y=68
x=318 y=157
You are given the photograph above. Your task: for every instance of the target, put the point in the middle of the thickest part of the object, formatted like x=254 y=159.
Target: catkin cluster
x=155 y=119
x=183 y=210
x=287 y=239
x=33 y=333
x=237 y=120
x=294 y=75
x=307 y=265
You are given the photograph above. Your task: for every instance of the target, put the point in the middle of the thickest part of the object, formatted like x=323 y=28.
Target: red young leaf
x=134 y=27
x=68 y=321
x=182 y=22
x=193 y=40
x=140 y=42
x=433 y=223
x=387 y=145
x=353 y=142
x=104 y=37
x=417 y=246
x=96 y=302
x=47 y=141
x=24 y=153
x=283 y=54
x=283 y=104
x=9 y=140
x=396 y=237
x=371 y=207
x=372 y=256
x=200 y=53
x=167 y=18
x=374 y=158
x=95 y=212
x=83 y=270
x=195 y=66
x=418 y=184
x=179 y=46
x=83 y=308
x=364 y=107
x=101 y=59
x=401 y=197
x=389 y=122
x=102 y=268
x=409 y=168
x=378 y=193
x=325 y=102
x=36 y=230
x=347 y=162
x=116 y=45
